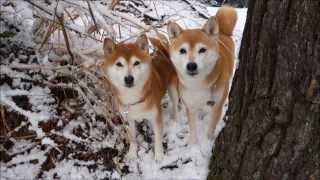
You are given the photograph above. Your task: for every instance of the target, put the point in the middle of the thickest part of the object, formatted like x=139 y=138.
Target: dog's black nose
x=192 y=66
x=129 y=80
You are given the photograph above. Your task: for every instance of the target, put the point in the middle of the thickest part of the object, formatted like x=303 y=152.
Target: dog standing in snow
x=139 y=82
x=204 y=61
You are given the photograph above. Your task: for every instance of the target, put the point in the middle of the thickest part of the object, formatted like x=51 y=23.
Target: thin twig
x=39 y=7
x=61 y=21
x=155 y=8
x=37 y=67
x=201 y=14
x=7 y=129
x=144 y=31
x=71 y=29
x=92 y=16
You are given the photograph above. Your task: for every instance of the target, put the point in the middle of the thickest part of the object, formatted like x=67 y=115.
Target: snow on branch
x=198 y=8
x=33 y=118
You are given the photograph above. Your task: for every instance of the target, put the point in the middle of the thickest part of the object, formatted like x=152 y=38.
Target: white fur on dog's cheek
x=206 y=61
x=140 y=74
x=180 y=61
x=116 y=74
x=211 y=58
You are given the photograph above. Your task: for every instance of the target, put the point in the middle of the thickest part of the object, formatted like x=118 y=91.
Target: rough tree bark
x=273 y=120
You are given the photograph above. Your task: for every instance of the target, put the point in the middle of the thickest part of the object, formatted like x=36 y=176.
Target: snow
x=181 y=160
x=23 y=170
x=48 y=141
x=41 y=110
x=67 y=170
x=12 y=73
x=22 y=18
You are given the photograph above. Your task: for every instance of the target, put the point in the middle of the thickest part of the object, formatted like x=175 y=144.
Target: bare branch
x=39 y=7
x=61 y=21
x=92 y=16
x=201 y=14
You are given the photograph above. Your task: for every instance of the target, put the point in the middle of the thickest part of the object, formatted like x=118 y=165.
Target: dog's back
x=161 y=62
x=163 y=72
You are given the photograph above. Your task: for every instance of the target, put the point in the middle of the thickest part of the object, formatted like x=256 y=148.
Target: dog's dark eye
x=202 y=50
x=119 y=64
x=183 y=51
x=136 y=63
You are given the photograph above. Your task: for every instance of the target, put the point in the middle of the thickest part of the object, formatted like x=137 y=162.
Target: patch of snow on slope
x=21 y=168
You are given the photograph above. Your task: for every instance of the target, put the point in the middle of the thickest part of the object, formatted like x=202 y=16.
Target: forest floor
x=47 y=131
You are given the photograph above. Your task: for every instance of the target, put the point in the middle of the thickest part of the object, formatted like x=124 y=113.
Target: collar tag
x=126 y=110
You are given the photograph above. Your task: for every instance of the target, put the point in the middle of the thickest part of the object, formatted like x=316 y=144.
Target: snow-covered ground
x=181 y=160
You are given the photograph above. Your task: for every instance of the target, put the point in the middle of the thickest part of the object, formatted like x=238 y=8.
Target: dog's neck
x=192 y=82
x=127 y=96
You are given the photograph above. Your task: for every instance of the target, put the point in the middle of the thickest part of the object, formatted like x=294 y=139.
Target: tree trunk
x=273 y=121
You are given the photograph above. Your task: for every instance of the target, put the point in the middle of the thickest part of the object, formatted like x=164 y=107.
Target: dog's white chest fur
x=131 y=108
x=137 y=112
x=196 y=97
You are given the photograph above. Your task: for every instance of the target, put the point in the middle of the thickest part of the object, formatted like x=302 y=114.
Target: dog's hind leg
x=157 y=125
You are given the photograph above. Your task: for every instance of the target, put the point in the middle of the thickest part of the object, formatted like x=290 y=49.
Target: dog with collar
x=204 y=61
x=139 y=82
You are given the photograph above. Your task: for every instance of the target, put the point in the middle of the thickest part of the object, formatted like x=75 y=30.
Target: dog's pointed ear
x=173 y=30
x=108 y=46
x=211 y=27
x=142 y=42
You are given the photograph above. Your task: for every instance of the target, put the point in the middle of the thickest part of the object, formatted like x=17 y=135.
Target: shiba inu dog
x=204 y=61
x=139 y=82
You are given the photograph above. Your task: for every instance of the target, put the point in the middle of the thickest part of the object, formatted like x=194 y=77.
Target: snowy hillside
x=57 y=118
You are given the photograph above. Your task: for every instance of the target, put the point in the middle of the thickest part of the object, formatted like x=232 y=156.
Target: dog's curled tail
x=161 y=44
x=227 y=19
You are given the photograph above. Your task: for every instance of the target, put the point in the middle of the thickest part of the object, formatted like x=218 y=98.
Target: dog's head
x=127 y=65
x=194 y=52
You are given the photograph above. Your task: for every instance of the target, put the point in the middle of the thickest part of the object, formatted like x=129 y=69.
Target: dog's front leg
x=191 y=113
x=217 y=110
x=132 y=154
x=157 y=125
